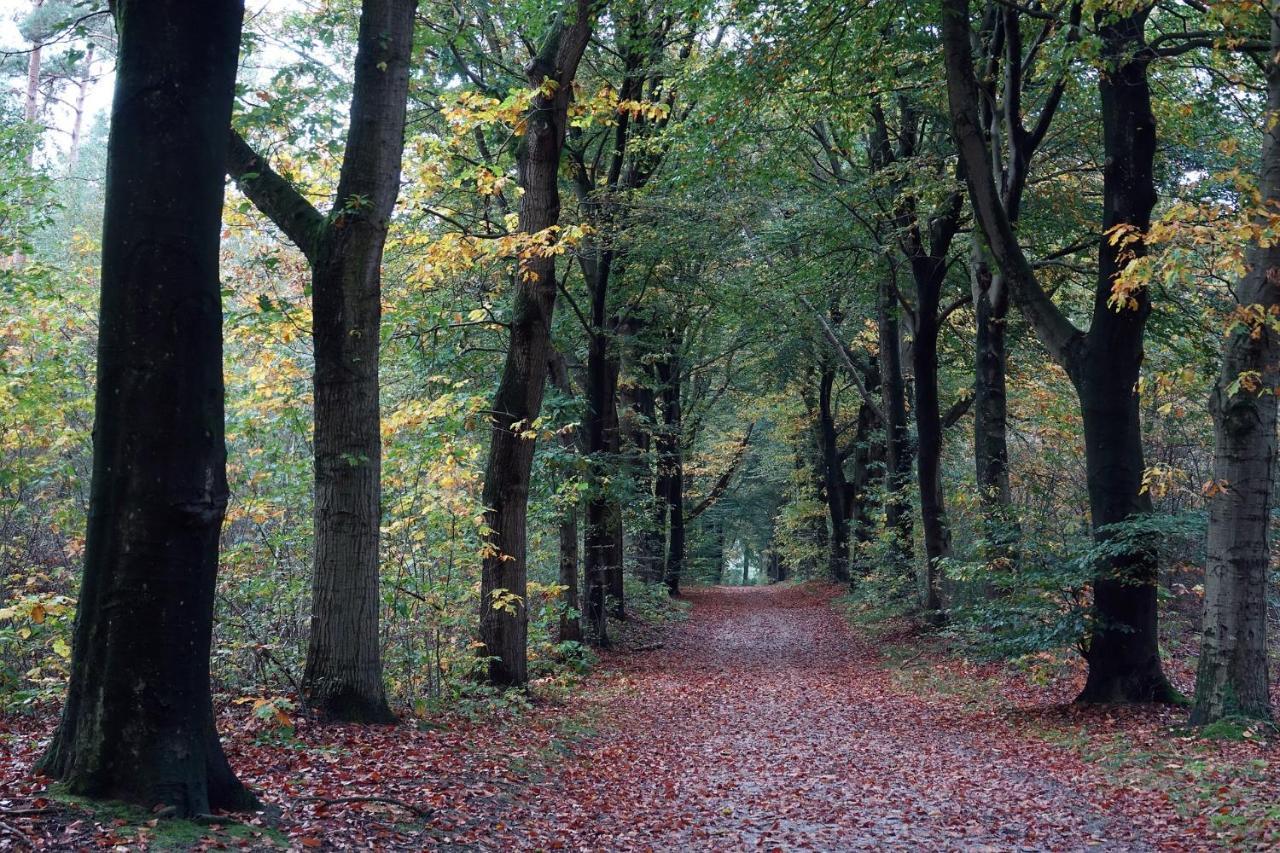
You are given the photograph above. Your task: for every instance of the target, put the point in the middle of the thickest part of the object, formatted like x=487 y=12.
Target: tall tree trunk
x=834 y=480
x=598 y=536
x=933 y=513
x=343 y=674
x=1233 y=678
x=1123 y=651
x=1000 y=533
x=77 y=122
x=504 y=621
x=893 y=393
x=570 y=627
x=639 y=410
x=859 y=490
x=671 y=464
x=138 y=722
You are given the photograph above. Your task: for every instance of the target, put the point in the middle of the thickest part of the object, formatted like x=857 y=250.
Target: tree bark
x=343 y=674
x=671 y=464
x=504 y=628
x=1233 y=678
x=933 y=514
x=893 y=392
x=138 y=724
x=1122 y=652
x=570 y=627
x=1000 y=533
x=836 y=488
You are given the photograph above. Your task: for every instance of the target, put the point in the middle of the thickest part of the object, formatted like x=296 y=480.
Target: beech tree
x=1233 y=678
x=1103 y=363
x=343 y=676
x=138 y=721
x=504 y=614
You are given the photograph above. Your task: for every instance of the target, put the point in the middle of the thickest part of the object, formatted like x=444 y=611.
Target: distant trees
x=138 y=722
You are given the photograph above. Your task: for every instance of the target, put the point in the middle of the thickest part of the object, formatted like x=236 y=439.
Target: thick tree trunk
x=1233 y=677
x=893 y=395
x=1123 y=655
x=1123 y=651
x=138 y=723
x=504 y=618
x=836 y=490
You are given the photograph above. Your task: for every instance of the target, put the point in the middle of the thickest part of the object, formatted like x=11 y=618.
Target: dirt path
x=764 y=723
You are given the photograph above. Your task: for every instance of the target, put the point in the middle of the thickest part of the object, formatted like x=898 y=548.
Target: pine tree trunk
x=1233 y=677
x=504 y=618
x=138 y=724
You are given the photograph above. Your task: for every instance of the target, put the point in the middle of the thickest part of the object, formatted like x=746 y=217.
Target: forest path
x=766 y=723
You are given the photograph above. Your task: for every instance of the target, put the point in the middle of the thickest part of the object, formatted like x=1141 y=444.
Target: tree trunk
x=1123 y=655
x=504 y=618
x=1000 y=533
x=342 y=678
x=77 y=121
x=343 y=673
x=570 y=628
x=859 y=498
x=671 y=465
x=639 y=408
x=833 y=478
x=1233 y=678
x=933 y=513
x=1123 y=651
x=138 y=723
x=893 y=393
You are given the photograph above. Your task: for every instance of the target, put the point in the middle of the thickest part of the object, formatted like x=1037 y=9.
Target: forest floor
x=764 y=721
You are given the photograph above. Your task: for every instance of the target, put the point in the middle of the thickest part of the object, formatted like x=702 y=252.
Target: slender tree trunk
x=859 y=491
x=637 y=403
x=893 y=393
x=77 y=123
x=671 y=465
x=599 y=534
x=1000 y=533
x=834 y=480
x=1233 y=677
x=570 y=627
x=933 y=513
x=504 y=621
x=138 y=723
